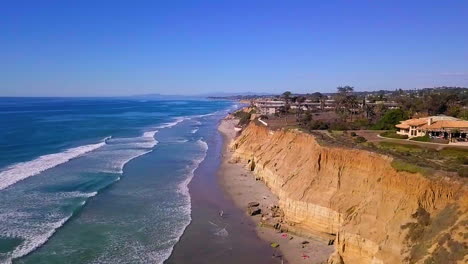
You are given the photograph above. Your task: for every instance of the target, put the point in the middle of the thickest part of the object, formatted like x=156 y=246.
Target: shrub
x=244 y=117
x=402 y=148
x=454 y=152
x=393 y=134
x=339 y=126
x=462 y=160
x=353 y=134
x=360 y=139
x=390 y=119
x=317 y=125
x=361 y=124
x=463 y=172
x=424 y=138
x=408 y=167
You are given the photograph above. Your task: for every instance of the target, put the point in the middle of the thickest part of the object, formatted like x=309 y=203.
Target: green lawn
x=393 y=134
x=425 y=138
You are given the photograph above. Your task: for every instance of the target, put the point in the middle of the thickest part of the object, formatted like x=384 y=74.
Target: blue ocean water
x=98 y=180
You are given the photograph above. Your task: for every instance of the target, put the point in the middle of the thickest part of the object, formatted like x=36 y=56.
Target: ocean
x=99 y=180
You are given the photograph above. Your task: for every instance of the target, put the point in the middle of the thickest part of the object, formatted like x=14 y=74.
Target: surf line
x=22 y=170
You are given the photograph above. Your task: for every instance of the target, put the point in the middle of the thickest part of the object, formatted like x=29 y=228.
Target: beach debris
x=284 y=235
x=220 y=231
x=304 y=256
x=253 y=204
x=276 y=211
x=305 y=242
x=291 y=238
x=274 y=245
x=221 y=213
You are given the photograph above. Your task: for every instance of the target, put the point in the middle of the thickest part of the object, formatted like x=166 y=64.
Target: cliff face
x=379 y=215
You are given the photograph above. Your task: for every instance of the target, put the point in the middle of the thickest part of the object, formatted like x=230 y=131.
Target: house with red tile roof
x=441 y=126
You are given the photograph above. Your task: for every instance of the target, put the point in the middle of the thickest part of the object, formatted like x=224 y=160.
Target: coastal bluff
x=377 y=214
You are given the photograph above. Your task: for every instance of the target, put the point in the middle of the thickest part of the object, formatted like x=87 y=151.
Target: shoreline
x=210 y=237
x=241 y=187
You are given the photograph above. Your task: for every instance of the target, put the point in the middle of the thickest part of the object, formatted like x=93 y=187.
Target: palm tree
x=345 y=101
x=287 y=97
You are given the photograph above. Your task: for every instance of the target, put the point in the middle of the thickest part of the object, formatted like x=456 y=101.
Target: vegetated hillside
x=379 y=214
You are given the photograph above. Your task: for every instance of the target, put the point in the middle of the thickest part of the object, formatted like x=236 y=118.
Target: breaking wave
x=23 y=170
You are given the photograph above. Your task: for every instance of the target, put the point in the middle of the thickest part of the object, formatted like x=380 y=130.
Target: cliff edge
x=377 y=214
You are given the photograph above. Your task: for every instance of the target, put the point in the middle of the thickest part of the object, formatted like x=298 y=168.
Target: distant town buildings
x=271 y=106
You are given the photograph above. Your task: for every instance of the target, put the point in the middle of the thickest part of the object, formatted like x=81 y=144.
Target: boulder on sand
x=254 y=211
x=253 y=204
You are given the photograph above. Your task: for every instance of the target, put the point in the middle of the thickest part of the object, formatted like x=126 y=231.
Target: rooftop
x=436 y=122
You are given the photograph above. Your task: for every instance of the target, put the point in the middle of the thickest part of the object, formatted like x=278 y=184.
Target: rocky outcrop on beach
x=375 y=213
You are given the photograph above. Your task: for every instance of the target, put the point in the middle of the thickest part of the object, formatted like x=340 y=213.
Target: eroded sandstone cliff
x=378 y=215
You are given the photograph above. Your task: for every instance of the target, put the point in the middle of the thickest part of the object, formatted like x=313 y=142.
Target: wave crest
x=20 y=171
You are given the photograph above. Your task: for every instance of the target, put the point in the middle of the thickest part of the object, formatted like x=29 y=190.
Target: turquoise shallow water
x=98 y=180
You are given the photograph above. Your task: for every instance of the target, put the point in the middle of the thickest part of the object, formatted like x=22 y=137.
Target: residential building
x=441 y=126
x=269 y=107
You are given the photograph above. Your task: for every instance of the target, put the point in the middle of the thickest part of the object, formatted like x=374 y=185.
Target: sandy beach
x=242 y=187
x=229 y=238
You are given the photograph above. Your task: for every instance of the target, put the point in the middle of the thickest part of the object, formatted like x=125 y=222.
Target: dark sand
x=205 y=240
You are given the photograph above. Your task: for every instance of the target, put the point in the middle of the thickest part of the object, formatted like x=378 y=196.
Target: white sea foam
x=184 y=190
x=175 y=122
x=32 y=226
x=76 y=194
x=38 y=240
x=119 y=151
x=183 y=186
x=23 y=170
x=205 y=115
x=194 y=130
x=150 y=134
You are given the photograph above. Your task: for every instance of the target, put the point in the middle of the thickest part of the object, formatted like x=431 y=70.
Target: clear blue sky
x=72 y=48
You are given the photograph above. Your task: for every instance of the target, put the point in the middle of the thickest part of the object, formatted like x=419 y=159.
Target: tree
x=370 y=113
x=345 y=101
x=390 y=119
x=316 y=96
x=306 y=119
x=300 y=100
x=320 y=98
x=287 y=106
x=287 y=95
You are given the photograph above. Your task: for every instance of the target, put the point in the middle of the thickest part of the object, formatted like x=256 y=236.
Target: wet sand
x=211 y=238
x=242 y=187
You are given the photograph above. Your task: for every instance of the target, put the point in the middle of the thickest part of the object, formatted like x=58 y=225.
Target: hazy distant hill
x=203 y=95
